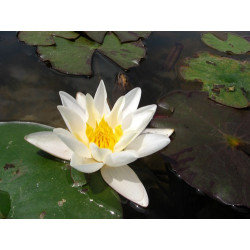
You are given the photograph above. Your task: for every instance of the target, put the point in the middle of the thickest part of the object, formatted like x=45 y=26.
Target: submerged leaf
x=208 y=148
x=40 y=186
x=44 y=37
x=234 y=43
x=226 y=80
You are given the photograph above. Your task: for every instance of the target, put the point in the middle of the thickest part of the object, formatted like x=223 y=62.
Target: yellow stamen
x=103 y=135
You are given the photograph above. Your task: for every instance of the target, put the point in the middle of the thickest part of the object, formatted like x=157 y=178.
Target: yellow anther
x=103 y=135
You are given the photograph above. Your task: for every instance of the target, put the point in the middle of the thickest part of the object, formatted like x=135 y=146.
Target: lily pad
x=124 y=36
x=41 y=186
x=208 y=148
x=226 y=80
x=233 y=44
x=69 y=57
x=129 y=36
x=4 y=204
x=76 y=57
x=97 y=36
x=44 y=37
x=125 y=55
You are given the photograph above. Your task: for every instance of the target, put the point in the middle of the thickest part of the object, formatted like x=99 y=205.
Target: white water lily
x=100 y=138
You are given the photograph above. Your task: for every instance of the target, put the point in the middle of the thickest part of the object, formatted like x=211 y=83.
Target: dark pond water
x=29 y=92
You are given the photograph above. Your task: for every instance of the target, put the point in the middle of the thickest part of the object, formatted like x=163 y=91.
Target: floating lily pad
x=44 y=37
x=125 y=55
x=97 y=36
x=226 y=80
x=124 y=36
x=76 y=57
x=69 y=57
x=234 y=44
x=208 y=148
x=129 y=36
x=41 y=186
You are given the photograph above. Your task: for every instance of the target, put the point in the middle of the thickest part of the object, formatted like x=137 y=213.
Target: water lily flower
x=107 y=140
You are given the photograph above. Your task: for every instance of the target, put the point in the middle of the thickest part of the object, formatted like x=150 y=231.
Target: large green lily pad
x=226 y=80
x=124 y=36
x=211 y=146
x=69 y=57
x=233 y=44
x=76 y=57
x=41 y=186
x=44 y=37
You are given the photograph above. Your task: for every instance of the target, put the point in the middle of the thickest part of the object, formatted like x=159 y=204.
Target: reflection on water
x=29 y=92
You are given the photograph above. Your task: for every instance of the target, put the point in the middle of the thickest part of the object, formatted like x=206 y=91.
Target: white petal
x=75 y=145
x=81 y=100
x=50 y=143
x=125 y=140
x=71 y=103
x=118 y=159
x=85 y=165
x=93 y=114
x=139 y=120
x=114 y=117
x=132 y=99
x=146 y=144
x=160 y=131
x=100 y=100
x=125 y=181
x=74 y=122
x=99 y=154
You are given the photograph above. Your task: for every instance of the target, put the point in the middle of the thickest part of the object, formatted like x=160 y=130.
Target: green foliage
x=234 y=43
x=76 y=57
x=210 y=149
x=44 y=37
x=226 y=80
x=41 y=186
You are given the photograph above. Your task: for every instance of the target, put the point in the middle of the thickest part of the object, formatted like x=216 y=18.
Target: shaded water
x=29 y=92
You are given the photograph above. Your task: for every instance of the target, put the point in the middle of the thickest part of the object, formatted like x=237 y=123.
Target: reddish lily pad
x=44 y=37
x=233 y=44
x=226 y=80
x=210 y=148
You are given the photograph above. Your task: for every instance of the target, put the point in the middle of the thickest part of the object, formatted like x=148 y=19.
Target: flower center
x=103 y=135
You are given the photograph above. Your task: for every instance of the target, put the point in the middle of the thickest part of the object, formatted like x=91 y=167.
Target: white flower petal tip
x=161 y=131
x=119 y=159
x=85 y=165
x=50 y=143
x=99 y=154
x=125 y=181
x=147 y=144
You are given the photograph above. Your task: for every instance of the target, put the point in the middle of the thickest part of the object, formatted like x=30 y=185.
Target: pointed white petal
x=93 y=114
x=160 y=131
x=115 y=116
x=81 y=100
x=125 y=140
x=118 y=159
x=50 y=143
x=125 y=181
x=99 y=154
x=132 y=99
x=100 y=100
x=139 y=120
x=85 y=165
x=71 y=103
x=146 y=144
x=75 y=145
x=74 y=122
